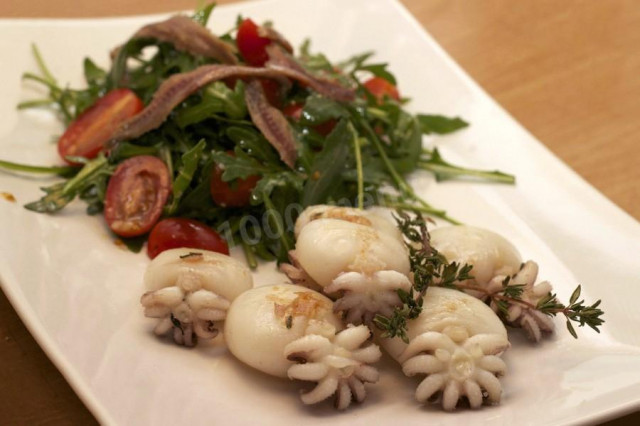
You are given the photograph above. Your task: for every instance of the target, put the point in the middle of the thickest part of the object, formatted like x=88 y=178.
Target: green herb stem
x=424 y=208
x=88 y=171
x=249 y=255
x=50 y=80
x=276 y=219
x=359 y=171
x=448 y=171
x=35 y=103
x=51 y=85
x=55 y=170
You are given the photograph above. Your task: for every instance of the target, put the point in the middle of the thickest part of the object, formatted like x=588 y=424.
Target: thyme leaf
x=429 y=267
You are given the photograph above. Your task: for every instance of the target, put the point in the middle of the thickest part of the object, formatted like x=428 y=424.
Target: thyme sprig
x=428 y=267
x=510 y=294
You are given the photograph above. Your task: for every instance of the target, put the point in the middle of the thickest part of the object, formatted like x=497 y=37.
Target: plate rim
x=80 y=386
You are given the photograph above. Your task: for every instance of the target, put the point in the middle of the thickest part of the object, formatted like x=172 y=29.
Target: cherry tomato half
x=251 y=45
x=231 y=194
x=379 y=87
x=136 y=194
x=87 y=134
x=177 y=232
x=294 y=111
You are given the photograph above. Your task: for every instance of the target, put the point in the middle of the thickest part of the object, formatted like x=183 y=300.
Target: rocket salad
x=235 y=134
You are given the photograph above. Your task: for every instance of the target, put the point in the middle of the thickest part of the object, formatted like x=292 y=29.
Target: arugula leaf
x=318 y=109
x=440 y=124
x=379 y=70
x=190 y=161
x=216 y=98
x=253 y=143
x=60 y=194
x=201 y=16
x=444 y=170
x=314 y=62
x=326 y=170
x=240 y=165
x=274 y=180
x=94 y=75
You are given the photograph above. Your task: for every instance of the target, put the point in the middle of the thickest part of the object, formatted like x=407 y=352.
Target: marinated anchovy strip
x=267 y=31
x=279 y=59
x=178 y=87
x=271 y=122
x=187 y=35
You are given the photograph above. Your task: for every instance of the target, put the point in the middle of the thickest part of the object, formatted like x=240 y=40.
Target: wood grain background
x=568 y=71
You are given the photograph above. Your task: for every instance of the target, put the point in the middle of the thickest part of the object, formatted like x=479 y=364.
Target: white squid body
x=456 y=341
x=494 y=259
x=291 y=331
x=349 y=214
x=490 y=254
x=354 y=262
x=190 y=290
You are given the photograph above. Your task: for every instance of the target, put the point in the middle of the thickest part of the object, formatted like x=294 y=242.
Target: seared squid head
x=535 y=323
x=456 y=342
x=291 y=331
x=359 y=266
x=189 y=291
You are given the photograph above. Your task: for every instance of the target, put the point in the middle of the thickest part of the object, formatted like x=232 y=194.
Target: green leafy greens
x=351 y=153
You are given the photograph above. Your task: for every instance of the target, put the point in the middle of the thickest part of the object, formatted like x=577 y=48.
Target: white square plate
x=79 y=294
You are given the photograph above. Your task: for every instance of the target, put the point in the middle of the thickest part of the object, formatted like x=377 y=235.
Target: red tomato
x=136 y=194
x=294 y=111
x=379 y=87
x=87 y=134
x=179 y=232
x=231 y=194
x=251 y=45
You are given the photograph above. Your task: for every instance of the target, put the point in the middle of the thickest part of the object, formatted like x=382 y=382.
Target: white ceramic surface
x=79 y=294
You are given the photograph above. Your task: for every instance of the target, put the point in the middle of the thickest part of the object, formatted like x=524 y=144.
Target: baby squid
x=456 y=342
x=190 y=290
x=352 y=261
x=490 y=254
x=495 y=262
x=291 y=331
x=525 y=316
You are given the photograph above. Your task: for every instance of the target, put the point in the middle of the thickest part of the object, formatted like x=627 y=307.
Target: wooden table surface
x=568 y=71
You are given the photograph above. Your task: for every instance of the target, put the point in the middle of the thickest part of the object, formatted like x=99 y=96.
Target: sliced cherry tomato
x=179 y=232
x=251 y=45
x=136 y=194
x=231 y=194
x=87 y=134
x=294 y=111
x=379 y=87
